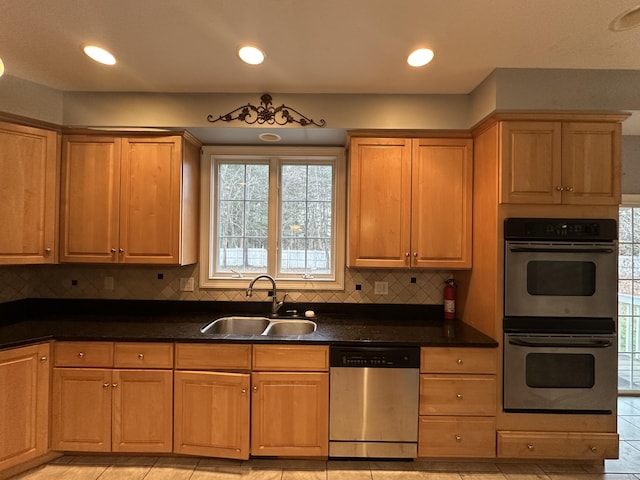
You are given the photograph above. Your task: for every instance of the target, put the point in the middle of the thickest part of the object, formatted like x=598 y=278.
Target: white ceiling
x=325 y=46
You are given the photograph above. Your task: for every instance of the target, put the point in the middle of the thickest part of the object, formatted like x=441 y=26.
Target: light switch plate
x=187 y=284
x=381 y=288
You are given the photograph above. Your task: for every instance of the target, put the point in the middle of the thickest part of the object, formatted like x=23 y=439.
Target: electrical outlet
x=381 y=288
x=187 y=284
x=108 y=283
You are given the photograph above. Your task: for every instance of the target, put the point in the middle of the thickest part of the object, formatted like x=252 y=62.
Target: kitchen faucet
x=275 y=304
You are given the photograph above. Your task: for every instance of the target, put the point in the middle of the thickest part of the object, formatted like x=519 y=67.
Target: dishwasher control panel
x=374 y=357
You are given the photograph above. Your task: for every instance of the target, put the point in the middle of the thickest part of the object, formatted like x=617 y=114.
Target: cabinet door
x=379 y=202
x=28 y=188
x=531 y=162
x=90 y=196
x=81 y=410
x=290 y=414
x=442 y=179
x=142 y=411
x=212 y=414
x=24 y=402
x=591 y=163
x=150 y=200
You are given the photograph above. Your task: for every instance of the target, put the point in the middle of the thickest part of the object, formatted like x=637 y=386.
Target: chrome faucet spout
x=275 y=304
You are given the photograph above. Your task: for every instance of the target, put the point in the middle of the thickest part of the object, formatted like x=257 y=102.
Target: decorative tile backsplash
x=163 y=283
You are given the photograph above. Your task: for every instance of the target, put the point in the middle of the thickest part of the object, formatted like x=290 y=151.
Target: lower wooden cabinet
x=98 y=409
x=102 y=410
x=557 y=445
x=290 y=413
x=290 y=400
x=24 y=402
x=211 y=414
x=441 y=436
x=457 y=403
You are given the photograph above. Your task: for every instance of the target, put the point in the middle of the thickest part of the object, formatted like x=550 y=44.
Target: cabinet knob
x=568 y=189
x=559 y=188
x=458 y=438
x=114 y=385
x=406 y=254
x=121 y=250
x=43 y=359
x=243 y=391
x=415 y=254
x=593 y=449
x=141 y=356
x=529 y=446
x=113 y=250
x=105 y=385
x=459 y=361
x=459 y=396
x=47 y=251
x=81 y=355
x=255 y=389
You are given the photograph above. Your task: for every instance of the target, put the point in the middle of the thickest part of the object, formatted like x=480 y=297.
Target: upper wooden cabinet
x=560 y=162
x=129 y=199
x=28 y=194
x=410 y=202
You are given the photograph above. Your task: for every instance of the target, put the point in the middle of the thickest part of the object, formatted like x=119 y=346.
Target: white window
x=629 y=295
x=273 y=210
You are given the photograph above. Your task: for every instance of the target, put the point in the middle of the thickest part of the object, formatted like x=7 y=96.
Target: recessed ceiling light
x=1 y=67
x=251 y=55
x=420 y=57
x=269 y=137
x=98 y=54
x=627 y=20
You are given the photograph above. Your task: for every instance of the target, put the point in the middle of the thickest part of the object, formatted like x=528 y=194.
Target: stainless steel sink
x=249 y=326
x=290 y=327
x=237 y=326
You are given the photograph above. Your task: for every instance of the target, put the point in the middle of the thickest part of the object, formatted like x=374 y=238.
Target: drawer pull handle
x=81 y=355
x=459 y=396
x=141 y=356
x=459 y=361
x=458 y=438
x=529 y=446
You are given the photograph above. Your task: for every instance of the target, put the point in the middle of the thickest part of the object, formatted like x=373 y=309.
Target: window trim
x=207 y=220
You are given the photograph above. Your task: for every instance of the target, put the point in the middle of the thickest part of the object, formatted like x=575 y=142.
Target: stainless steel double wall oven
x=560 y=342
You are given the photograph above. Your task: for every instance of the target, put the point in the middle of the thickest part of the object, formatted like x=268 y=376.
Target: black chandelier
x=266 y=113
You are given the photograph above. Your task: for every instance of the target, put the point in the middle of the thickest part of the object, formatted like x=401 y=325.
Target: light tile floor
x=87 y=467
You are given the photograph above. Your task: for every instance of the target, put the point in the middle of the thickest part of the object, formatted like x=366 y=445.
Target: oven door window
x=560 y=370
x=561 y=278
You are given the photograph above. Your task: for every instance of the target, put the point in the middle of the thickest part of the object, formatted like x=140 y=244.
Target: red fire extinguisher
x=450 y=299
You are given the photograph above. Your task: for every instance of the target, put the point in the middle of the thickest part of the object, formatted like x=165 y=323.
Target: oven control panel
x=560 y=229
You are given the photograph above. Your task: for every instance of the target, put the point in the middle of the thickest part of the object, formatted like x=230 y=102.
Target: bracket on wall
x=266 y=113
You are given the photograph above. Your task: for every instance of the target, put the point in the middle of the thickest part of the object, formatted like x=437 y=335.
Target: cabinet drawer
x=571 y=445
x=291 y=358
x=457 y=437
x=143 y=355
x=458 y=360
x=84 y=354
x=457 y=395
x=200 y=356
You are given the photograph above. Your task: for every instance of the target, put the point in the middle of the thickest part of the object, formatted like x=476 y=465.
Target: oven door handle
x=595 y=343
x=560 y=250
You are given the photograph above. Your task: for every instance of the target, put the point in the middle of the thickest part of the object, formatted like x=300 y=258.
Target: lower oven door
x=560 y=373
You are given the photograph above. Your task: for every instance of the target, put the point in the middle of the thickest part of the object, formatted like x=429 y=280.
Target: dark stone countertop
x=33 y=320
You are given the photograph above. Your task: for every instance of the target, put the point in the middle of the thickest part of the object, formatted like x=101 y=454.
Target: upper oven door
x=560 y=279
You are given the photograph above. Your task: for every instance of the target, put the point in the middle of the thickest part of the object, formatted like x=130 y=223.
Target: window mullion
x=273 y=237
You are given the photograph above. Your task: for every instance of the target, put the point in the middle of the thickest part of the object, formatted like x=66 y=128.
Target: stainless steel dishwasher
x=373 y=405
